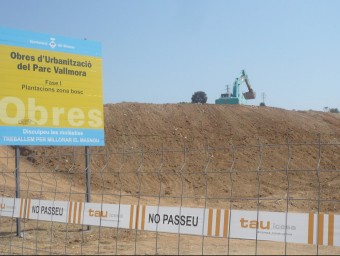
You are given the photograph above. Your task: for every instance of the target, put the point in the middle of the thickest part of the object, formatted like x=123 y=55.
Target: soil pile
x=202 y=153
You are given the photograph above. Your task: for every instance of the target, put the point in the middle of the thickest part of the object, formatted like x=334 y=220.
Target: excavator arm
x=250 y=94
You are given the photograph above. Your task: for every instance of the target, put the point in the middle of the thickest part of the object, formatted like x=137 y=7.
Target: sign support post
x=17 y=184
x=88 y=177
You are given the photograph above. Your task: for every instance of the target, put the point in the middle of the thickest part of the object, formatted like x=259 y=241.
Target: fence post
x=17 y=184
x=88 y=177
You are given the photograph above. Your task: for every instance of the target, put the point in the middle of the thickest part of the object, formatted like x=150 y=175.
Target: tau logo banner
x=306 y=228
x=51 y=90
x=107 y=215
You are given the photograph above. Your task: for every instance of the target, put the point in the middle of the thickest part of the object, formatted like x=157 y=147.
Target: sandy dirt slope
x=187 y=141
x=191 y=155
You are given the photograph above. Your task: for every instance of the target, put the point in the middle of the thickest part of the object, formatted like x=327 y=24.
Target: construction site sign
x=51 y=90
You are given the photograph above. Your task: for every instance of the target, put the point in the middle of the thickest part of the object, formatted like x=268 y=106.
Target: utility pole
x=228 y=90
x=263 y=97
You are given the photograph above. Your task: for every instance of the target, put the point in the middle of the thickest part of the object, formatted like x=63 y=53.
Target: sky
x=163 y=51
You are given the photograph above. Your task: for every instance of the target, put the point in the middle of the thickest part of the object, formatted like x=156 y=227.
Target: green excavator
x=237 y=97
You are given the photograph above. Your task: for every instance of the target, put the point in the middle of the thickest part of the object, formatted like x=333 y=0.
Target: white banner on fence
x=306 y=228
x=10 y=207
x=270 y=226
x=173 y=220
x=107 y=215
x=47 y=210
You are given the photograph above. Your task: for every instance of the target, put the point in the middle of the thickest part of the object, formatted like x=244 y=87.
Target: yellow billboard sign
x=51 y=90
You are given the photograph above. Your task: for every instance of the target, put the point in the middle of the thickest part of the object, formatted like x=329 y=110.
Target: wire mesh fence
x=288 y=178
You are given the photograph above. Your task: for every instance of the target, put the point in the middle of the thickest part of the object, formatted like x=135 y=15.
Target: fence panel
x=238 y=199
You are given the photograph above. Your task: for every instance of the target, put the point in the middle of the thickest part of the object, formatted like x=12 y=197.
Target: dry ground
x=182 y=154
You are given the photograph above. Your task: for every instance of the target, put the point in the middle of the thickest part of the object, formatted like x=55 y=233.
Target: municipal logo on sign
x=52 y=43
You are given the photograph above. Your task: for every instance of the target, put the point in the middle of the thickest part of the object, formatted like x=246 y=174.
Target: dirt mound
x=202 y=155
x=220 y=156
x=196 y=125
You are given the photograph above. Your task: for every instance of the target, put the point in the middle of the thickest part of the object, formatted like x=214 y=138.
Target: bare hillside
x=222 y=156
x=196 y=125
x=196 y=151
